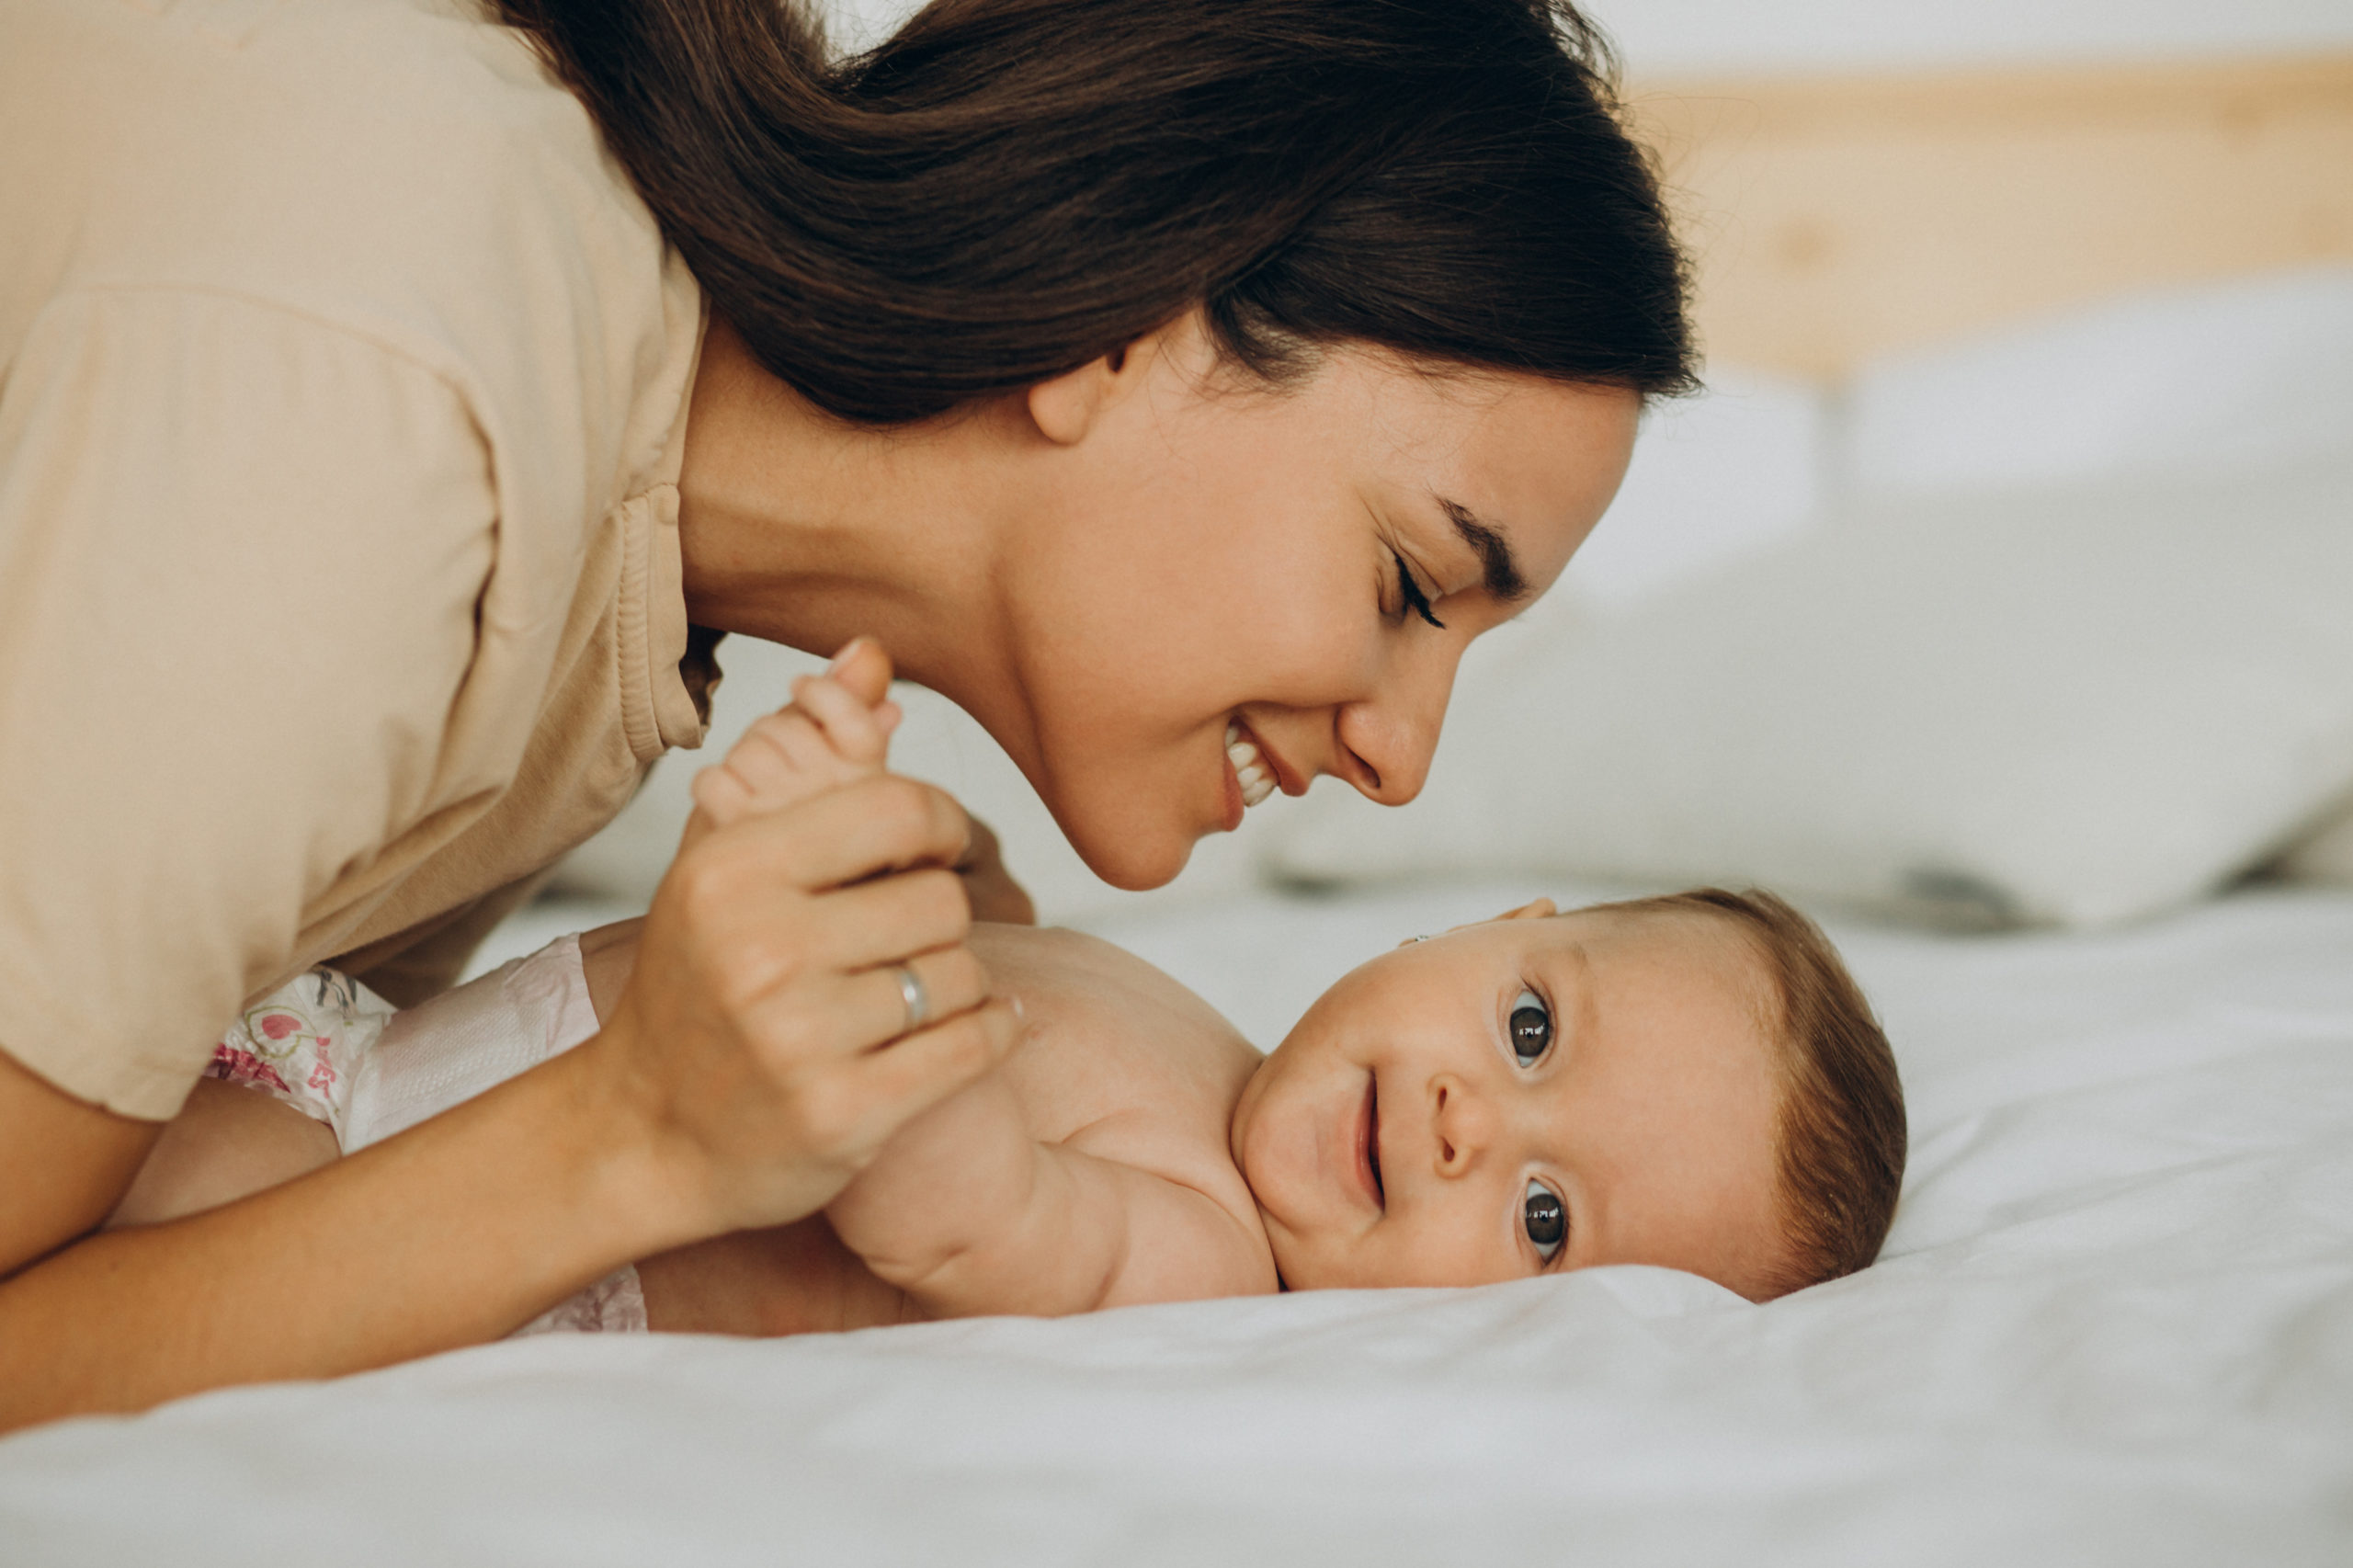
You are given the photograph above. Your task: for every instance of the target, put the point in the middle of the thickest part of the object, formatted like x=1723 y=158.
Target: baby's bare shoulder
x=1095 y=1014
x=1057 y=956
x=1120 y=1062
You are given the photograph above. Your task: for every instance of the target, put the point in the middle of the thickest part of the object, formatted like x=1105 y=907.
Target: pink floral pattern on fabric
x=615 y=1304
x=301 y=1042
x=244 y=1067
x=304 y=1044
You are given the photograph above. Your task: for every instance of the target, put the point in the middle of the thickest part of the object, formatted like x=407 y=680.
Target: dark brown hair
x=1008 y=190
x=1842 y=1126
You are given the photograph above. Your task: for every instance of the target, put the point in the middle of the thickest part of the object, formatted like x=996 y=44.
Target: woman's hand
x=762 y=1042
x=757 y=1058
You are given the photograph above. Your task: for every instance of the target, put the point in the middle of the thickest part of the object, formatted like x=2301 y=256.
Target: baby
x=1692 y=1080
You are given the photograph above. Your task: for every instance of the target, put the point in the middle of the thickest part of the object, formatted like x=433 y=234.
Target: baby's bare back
x=1123 y=1085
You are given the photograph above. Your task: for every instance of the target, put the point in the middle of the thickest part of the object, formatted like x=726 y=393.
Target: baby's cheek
x=1444 y=1251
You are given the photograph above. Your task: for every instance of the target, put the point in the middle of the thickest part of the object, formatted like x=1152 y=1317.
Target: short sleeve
x=240 y=556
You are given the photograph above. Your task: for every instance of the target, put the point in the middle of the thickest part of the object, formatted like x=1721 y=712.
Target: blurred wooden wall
x=1836 y=219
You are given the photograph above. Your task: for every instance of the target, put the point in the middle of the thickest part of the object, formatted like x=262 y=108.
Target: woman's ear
x=1066 y=408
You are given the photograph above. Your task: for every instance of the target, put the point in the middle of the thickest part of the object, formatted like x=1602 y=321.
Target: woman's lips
x=1262 y=769
x=1368 y=1143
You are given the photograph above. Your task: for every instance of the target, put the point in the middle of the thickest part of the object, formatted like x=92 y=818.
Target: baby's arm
x=969 y=1213
x=226 y=1142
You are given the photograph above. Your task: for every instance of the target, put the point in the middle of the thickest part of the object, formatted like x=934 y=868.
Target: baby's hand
x=833 y=733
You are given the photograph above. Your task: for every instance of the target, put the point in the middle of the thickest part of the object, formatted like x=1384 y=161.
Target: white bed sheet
x=2115 y=1324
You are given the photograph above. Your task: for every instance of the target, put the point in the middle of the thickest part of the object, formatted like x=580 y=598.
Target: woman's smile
x=1254 y=771
x=1204 y=566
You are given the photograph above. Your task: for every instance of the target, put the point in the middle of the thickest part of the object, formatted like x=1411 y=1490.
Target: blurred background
x=2004 y=574
x=1664 y=37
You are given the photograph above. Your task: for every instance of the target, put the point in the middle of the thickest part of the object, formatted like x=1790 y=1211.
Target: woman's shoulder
x=402 y=170
x=311 y=149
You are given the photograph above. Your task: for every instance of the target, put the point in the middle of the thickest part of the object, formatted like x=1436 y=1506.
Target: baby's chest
x=1085 y=1090
x=1079 y=1076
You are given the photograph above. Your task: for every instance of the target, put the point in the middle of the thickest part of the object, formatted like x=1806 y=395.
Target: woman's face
x=1198 y=557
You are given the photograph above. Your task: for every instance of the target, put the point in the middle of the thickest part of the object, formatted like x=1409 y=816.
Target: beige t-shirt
x=343 y=384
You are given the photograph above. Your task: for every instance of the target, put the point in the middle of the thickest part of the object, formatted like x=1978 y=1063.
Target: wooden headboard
x=1839 y=217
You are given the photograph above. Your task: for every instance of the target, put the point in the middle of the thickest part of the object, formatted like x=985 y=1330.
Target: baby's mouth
x=1369 y=1142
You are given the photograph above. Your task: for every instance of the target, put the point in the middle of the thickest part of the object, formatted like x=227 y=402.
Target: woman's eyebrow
x=1505 y=582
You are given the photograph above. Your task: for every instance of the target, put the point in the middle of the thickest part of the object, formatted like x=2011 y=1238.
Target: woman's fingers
x=882 y=823
x=910 y=1076
x=883 y=921
x=875 y=825
x=765 y=1029
x=946 y=983
x=852 y=1110
x=841 y=1015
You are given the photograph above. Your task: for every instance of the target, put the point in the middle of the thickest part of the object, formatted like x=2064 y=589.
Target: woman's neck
x=803 y=530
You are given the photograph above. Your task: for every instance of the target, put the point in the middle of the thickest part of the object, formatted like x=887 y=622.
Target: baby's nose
x=1461 y=1123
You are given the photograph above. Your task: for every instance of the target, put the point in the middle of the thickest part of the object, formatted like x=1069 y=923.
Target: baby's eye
x=1546 y=1219
x=1532 y=1027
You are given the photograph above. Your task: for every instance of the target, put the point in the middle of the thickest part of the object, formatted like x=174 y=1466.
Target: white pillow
x=2070 y=705
x=2197 y=379
x=1725 y=473
x=2324 y=855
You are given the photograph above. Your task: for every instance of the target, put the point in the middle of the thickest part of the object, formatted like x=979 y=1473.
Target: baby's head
x=1692 y=1080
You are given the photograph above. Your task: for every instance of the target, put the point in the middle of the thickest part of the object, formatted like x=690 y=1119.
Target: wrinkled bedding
x=2114 y=1324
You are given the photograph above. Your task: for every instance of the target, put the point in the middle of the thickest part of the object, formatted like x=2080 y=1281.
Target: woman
x=395 y=407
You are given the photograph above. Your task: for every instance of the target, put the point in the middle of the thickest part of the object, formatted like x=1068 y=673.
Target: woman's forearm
x=452 y=1234
x=752 y=1067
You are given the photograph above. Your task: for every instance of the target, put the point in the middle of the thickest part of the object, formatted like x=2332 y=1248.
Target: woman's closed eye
x=1410 y=592
x=1545 y=1219
x=1532 y=1027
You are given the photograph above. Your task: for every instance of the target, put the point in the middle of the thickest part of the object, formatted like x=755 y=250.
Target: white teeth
x=1256 y=778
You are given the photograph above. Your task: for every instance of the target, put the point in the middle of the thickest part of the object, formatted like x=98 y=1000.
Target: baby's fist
x=837 y=730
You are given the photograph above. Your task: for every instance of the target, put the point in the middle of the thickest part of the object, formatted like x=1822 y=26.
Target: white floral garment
x=305 y=1042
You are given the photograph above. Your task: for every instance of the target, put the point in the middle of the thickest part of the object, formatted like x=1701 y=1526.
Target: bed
x=2114 y=1321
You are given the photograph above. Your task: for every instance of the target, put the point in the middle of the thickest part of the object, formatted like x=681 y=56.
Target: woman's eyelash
x=1411 y=591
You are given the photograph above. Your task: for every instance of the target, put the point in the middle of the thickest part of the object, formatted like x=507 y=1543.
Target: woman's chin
x=1133 y=862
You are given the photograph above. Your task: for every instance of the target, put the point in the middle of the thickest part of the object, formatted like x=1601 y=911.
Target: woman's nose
x=1386 y=739
x=1463 y=1124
